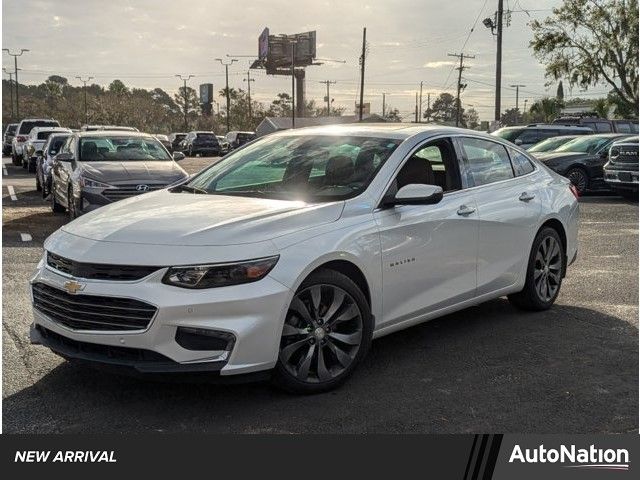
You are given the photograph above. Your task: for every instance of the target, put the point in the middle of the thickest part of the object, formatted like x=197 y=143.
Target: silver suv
x=22 y=135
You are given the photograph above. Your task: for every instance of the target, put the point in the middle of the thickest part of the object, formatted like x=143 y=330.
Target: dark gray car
x=97 y=168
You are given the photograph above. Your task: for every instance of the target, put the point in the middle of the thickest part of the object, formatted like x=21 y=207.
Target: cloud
x=439 y=64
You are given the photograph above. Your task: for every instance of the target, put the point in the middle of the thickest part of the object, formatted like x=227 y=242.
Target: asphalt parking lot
x=490 y=368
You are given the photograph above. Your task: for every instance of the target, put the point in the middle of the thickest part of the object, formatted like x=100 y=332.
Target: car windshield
x=550 y=144
x=509 y=133
x=207 y=137
x=26 y=127
x=301 y=167
x=121 y=148
x=588 y=144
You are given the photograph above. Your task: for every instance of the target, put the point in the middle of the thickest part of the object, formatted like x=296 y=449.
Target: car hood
x=555 y=156
x=166 y=171
x=166 y=218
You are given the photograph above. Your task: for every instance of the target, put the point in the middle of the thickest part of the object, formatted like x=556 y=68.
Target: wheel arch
x=350 y=270
x=558 y=226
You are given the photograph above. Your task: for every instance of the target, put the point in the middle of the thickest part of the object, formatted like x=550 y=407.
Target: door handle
x=526 y=196
x=465 y=210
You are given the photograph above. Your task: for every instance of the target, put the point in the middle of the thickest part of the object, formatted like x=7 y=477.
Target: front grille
x=126 y=191
x=99 y=271
x=624 y=154
x=98 y=352
x=91 y=312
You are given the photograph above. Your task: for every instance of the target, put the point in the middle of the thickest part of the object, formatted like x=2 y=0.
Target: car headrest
x=89 y=150
x=339 y=170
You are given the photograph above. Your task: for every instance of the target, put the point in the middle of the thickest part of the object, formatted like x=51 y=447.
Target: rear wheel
x=55 y=206
x=326 y=333
x=38 y=185
x=544 y=272
x=14 y=159
x=579 y=178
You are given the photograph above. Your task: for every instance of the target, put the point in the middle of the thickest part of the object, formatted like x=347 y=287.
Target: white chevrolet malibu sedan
x=290 y=255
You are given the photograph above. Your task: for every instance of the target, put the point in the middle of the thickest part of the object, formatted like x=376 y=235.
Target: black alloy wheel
x=579 y=178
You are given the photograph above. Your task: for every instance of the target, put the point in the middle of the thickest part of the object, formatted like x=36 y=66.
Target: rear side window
x=531 y=135
x=601 y=127
x=623 y=127
x=485 y=161
x=11 y=129
x=521 y=164
x=44 y=135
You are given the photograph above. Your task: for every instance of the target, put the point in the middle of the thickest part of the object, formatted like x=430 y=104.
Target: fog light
x=204 y=339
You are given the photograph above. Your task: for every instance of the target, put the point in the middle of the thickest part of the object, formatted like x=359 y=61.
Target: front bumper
x=621 y=177
x=253 y=313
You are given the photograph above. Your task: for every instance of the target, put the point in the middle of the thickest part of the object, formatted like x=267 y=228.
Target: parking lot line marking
x=25 y=237
x=12 y=193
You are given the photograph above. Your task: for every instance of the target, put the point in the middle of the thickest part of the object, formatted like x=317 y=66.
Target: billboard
x=274 y=51
x=206 y=93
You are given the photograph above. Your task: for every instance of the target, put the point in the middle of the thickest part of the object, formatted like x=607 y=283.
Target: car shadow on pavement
x=487 y=368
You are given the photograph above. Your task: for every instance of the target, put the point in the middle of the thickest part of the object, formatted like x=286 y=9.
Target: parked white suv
x=293 y=253
x=35 y=141
x=22 y=134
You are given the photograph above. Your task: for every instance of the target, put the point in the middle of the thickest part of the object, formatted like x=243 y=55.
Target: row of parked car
x=205 y=142
x=592 y=161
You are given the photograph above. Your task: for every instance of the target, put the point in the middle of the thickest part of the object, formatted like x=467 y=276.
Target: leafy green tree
x=472 y=119
x=590 y=42
x=443 y=109
x=392 y=115
x=118 y=87
x=544 y=110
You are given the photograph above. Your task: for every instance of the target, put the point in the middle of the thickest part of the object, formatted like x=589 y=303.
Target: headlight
x=220 y=274
x=87 y=182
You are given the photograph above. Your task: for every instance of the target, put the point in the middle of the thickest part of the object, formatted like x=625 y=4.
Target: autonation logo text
x=573 y=457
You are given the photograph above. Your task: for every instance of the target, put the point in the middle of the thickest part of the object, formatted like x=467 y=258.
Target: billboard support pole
x=293 y=84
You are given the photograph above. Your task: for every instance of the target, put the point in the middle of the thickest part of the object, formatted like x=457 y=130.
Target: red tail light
x=574 y=190
x=21 y=138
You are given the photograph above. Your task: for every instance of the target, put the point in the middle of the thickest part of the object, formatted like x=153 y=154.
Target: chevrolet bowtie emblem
x=73 y=287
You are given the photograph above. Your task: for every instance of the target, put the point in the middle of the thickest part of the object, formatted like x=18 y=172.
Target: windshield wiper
x=189 y=188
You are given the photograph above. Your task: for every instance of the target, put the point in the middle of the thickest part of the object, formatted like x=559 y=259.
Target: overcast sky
x=146 y=42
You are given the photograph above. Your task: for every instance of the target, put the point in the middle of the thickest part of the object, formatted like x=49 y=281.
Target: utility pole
x=185 y=79
x=416 y=107
x=428 y=106
x=462 y=56
x=249 y=80
x=226 y=71
x=384 y=95
x=499 y=60
x=517 y=87
x=86 y=114
x=420 y=111
x=327 y=83
x=525 y=105
x=362 y=60
x=10 y=87
x=15 y=62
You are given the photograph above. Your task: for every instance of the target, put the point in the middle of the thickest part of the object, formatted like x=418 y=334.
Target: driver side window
x=435 y=163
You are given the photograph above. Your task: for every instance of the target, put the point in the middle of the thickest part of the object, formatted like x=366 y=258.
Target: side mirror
x=518 y=141
x=177 y=156
x=417 y=194
x=64 y=157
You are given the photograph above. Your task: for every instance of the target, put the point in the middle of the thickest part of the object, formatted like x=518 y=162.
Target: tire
x=31 y=168
x=318 y=347
x=579 y=178
x=542 y=269
x=15 y=160
x=25 y=163
x=190 y=152
x=55 y=206
x=38 y=185
x=72 y=209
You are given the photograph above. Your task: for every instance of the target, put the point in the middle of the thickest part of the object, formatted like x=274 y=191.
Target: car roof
x=400 y=131
x=112 y=133
x=38 y=120
x=50 y=129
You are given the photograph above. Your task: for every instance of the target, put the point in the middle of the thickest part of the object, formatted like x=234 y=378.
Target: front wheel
x=38 y=184
x=544 y=273
x=55 y=206
x=326 y=334
x=579 y=178
x=73 y=207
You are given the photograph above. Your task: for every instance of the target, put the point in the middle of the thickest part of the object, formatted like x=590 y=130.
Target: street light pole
x=384 y=98
x=15 y=62
x=86 y=113
x=517 y=87
x=10 y=87
x=226 y=70
x=185 y=79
